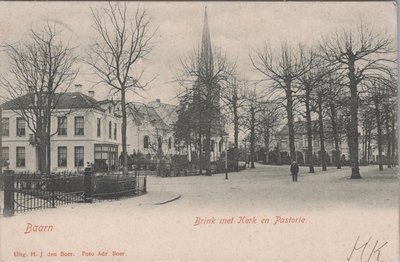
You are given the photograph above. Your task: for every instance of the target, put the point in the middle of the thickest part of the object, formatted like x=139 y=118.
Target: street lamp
x=226 y=156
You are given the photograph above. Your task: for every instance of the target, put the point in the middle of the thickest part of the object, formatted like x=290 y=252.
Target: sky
x=237 y=28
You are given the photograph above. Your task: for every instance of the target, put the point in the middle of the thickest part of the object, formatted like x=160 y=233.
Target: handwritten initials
x=363 y=247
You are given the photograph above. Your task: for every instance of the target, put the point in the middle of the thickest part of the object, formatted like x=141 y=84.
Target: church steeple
x=206 y=51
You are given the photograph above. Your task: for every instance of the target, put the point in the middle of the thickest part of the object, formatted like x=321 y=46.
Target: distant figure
x=294 y=169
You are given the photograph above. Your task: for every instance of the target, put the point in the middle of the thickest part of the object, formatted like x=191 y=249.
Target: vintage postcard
x=199 y=131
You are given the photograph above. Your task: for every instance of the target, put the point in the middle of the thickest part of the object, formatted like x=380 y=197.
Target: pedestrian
x=294 y=169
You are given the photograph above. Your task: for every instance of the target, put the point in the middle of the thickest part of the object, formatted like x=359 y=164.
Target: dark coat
x=294 y=168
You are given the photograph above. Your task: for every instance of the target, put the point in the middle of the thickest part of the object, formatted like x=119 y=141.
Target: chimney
x=158 y=100
x=78 y=88
x=91 y=93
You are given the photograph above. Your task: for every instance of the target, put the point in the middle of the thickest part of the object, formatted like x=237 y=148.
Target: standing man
x=294 y=169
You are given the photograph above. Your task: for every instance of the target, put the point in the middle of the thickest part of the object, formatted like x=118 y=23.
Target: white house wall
x=88 y=140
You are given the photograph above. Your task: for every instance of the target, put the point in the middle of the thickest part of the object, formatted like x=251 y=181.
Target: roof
x=167 y=112
x=142 y=114
x=73 y=100
x=301 y=128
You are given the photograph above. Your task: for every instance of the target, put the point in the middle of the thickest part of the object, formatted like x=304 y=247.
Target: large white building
x=88 y=131
x=83 y=129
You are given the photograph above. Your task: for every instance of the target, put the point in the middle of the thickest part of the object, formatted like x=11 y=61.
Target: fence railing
x=25 y=192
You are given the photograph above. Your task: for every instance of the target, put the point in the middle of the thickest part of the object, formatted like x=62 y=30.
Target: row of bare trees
x=331 y=80
x=330 y=84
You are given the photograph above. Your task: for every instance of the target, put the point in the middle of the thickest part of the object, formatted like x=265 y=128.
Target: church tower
x=206 y=71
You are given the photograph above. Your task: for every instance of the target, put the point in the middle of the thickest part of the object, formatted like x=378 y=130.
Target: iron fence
x=32 y=191
x=38 y=191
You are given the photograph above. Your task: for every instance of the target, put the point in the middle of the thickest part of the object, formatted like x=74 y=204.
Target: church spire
x=206 y=52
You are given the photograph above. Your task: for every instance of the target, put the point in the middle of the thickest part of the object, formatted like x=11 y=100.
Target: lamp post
x=226 y=157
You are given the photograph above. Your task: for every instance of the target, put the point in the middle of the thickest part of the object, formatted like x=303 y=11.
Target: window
x=115 y=131
x=98 y=127
x=169 y=143
x=62 y=156
x=160 y=143
x=221 y=142
x=62 y=126
x=146 y=142
x=79 y=156
x=79 y=126
x=109 y=129
x=105 y=157
x=5 y=155
x=6 y=126
x=306 y=142
x=20 y=126
x=212 y=145
x=20 y=156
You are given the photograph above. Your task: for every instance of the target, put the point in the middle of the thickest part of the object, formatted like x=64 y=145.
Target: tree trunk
x=309 y=134
x=379 y=131
x=252 y=135
x=289 y=110
x=200 y=153
x=394 y=141
x=209 y=118
x=236 y=134
x=369 y=144
x=123 y=131
x=388 y=138
x=267 y=138
x=199 y=126
x=207 y=149
x=48 y=139
x=363 y=142
x=335 y=134
x=321 y=133
x=353 y=128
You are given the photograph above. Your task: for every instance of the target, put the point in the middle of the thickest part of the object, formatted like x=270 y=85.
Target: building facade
x=301 y=141
x=82 y=132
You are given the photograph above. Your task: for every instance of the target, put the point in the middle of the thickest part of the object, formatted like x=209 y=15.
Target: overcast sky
x=237 y=28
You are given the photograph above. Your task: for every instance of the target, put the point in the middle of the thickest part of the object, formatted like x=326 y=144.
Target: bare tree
x=268 y=119
x=234 y=97
x=359 y=53
x=310 y=84
x=282 y=68
x=122 y=41
x=381 y=93
x=41 y=69
x=251 y=110
x=335 y=94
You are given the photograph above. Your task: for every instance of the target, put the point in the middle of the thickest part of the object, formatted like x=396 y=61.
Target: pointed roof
x=206 y=52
